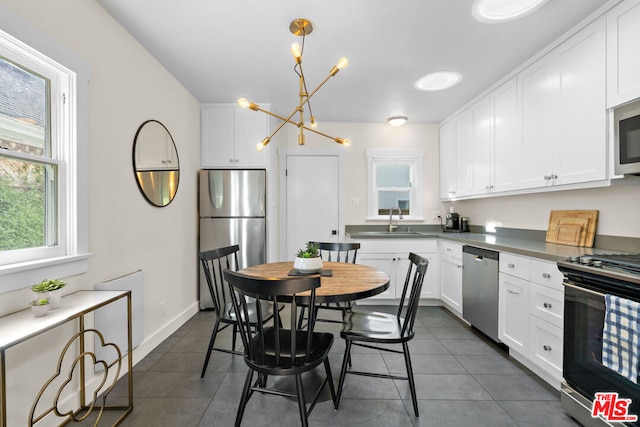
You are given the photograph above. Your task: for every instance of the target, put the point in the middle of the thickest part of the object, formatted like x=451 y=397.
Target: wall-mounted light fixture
x=300 y=27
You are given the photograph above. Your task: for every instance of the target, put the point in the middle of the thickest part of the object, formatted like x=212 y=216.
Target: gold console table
x=22 y=326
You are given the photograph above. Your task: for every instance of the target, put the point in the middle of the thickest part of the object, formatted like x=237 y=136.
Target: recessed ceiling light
x=397 y=120
x=494 y=11
x=438 y=81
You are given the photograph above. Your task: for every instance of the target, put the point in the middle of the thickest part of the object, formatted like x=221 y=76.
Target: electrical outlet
x=354 y=201
x=435 y=215
x=162 y=308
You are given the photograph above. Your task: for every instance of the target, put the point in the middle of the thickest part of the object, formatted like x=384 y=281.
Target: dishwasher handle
x=480 y=254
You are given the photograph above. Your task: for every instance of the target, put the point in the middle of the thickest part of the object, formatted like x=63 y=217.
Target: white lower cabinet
x=451 y=275
x=513 y=314
x=392 y=257
x=546 y=346
x=530 y=314
x=383 y=262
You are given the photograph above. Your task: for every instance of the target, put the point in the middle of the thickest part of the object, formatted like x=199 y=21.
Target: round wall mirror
x=155 y=163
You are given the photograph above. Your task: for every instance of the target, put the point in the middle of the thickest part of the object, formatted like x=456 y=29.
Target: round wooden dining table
x=339 y=281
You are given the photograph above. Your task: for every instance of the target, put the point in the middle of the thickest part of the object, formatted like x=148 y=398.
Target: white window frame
x=413 y=158
x=36 y=51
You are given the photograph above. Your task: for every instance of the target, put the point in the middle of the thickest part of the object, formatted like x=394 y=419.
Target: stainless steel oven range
x=602 y=339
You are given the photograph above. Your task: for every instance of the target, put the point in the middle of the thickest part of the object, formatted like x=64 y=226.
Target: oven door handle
x=579 y=288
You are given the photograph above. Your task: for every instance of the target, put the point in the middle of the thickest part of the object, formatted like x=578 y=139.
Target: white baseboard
x=155 y=339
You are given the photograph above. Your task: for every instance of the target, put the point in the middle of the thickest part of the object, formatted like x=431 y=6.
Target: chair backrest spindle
x=339 y=252
x=414 y=279
x=213 y=263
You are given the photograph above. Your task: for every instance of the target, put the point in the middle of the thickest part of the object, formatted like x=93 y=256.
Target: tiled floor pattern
x=462 y=379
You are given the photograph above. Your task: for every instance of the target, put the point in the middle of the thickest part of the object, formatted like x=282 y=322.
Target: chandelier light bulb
x=342 y=63
x=313 y=124
x=296 y=51
x=243 y=103
x=263 y=143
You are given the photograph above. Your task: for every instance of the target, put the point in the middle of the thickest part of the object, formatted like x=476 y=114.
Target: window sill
x=24 y=274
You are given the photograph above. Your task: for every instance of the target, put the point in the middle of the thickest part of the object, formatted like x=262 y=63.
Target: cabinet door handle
x=448 y=249
x=546 y=305
x=511 y=265
x=547 y=177
x=230 y=160
x=554 y=176
x=513 y=292
x=546 y=347
x=459 y=266
x=546 y=276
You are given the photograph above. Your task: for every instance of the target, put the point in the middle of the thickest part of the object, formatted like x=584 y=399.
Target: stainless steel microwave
x=627 y=139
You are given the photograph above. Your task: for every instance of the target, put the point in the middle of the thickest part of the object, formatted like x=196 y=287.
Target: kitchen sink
x=390 y=233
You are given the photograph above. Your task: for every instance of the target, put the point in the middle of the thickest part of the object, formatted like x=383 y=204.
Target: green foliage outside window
x=22 y=212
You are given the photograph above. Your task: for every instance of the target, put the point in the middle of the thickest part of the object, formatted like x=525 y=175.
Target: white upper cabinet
x=581 y=154
x=447 y=160
x=481 y=146
x=564 y=112
x=507 y=139
x=538 y=90
x=544 y=127
x=623 y=53
x=463 y=157
x=496 y=142
x=456 y=163
x=230 y=135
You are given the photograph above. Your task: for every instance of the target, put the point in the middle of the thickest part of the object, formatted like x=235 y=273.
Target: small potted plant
x=308 y=260
x=39 y=307
x=53 y=289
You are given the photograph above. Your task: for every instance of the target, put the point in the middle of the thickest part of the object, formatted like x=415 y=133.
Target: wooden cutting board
x=574 y=227
x=572 y=231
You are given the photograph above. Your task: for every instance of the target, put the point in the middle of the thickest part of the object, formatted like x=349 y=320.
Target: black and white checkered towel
x=621 y=337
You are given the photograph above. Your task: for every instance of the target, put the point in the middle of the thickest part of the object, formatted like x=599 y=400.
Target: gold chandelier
x=299 y=27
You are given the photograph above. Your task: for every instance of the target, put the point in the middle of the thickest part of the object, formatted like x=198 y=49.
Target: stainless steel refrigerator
x=232 y=212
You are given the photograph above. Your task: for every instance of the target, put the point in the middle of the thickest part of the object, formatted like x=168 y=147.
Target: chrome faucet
x=393 y=226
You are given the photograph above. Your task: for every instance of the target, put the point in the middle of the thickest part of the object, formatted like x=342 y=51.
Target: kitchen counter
x=496 y=242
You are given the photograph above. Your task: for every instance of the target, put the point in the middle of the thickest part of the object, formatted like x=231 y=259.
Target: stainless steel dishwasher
x=480 y=289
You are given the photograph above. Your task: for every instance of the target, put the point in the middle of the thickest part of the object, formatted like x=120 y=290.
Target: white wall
x=365 y=136
x=127 y=86
x=618 y=206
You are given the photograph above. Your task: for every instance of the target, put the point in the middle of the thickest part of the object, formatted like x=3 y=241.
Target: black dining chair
x=213 y=263
x=273 y=350
x=334 y=252
x=371 y=329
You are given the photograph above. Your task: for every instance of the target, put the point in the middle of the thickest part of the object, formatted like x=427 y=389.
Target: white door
x=312 y=201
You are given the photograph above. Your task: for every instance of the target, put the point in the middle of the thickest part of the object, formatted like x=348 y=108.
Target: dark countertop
x=521 y=246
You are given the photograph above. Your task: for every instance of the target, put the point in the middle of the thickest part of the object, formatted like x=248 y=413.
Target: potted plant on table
x=51 y=289
x=39 y=307
x=308 y=260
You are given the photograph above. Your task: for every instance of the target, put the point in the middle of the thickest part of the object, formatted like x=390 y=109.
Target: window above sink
x=394 y=179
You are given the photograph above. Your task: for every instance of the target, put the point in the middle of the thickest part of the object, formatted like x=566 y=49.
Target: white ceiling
x=221 y=51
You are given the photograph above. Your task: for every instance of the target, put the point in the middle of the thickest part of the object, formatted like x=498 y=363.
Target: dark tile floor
x=462 y=379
